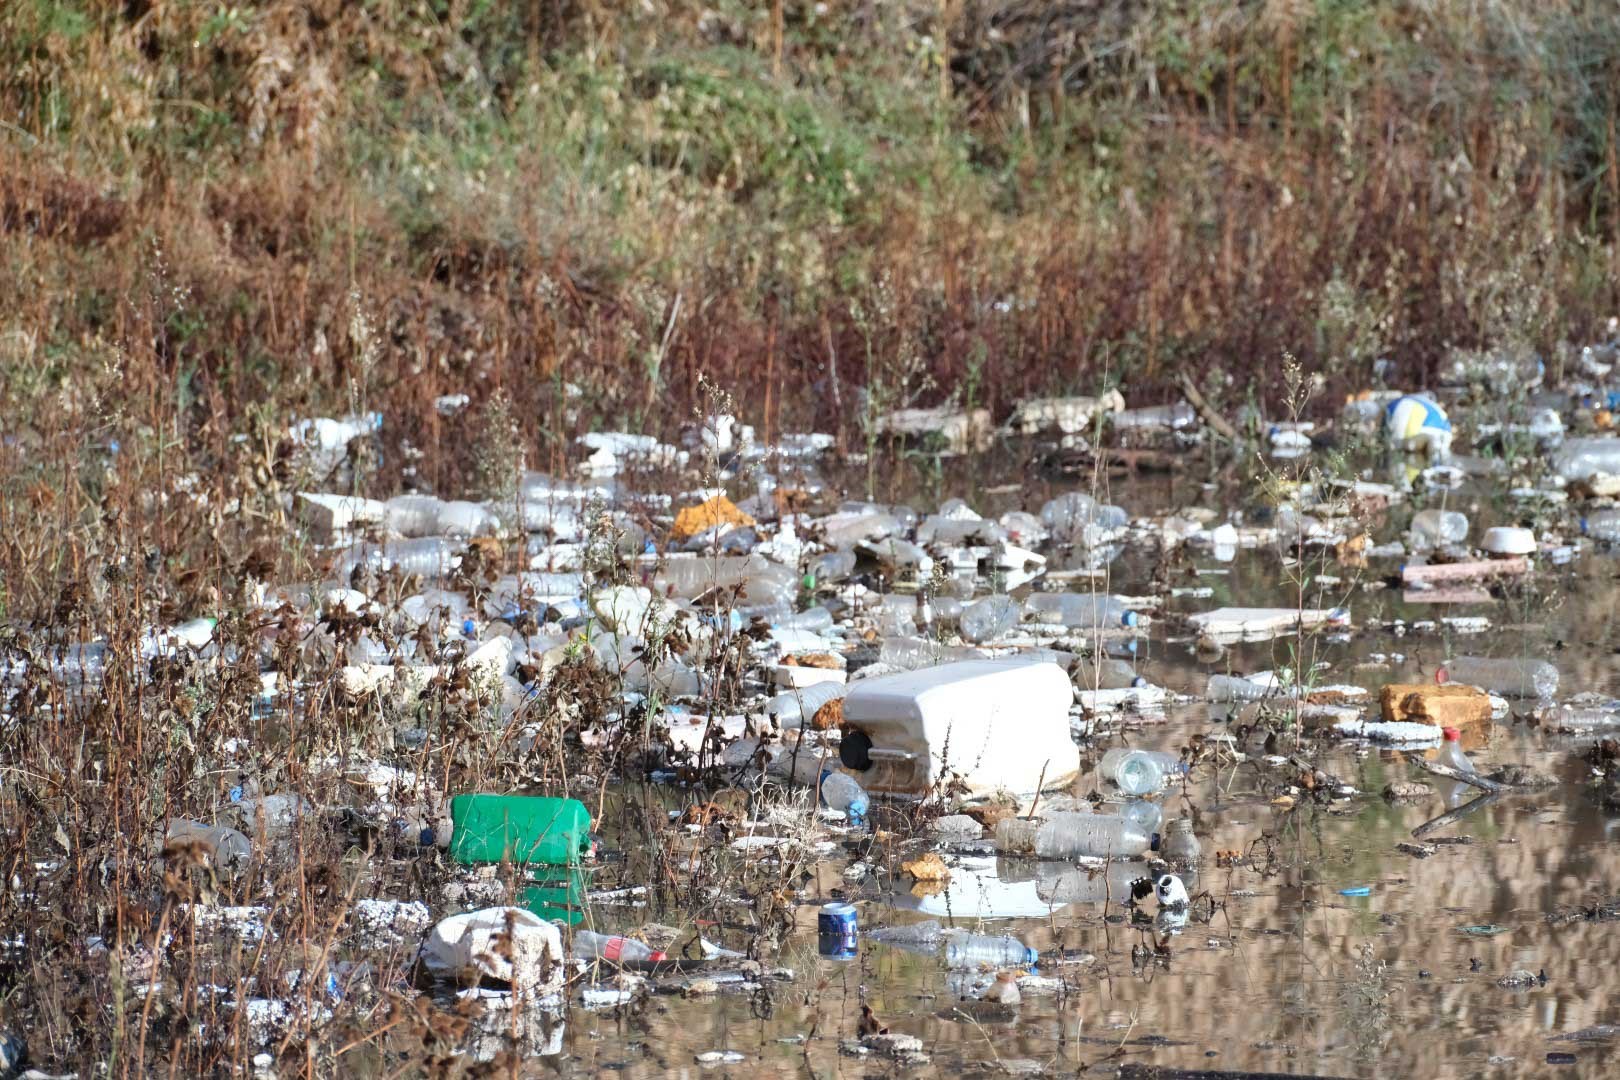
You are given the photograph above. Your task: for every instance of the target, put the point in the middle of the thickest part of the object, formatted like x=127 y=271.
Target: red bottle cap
x=1450 y=734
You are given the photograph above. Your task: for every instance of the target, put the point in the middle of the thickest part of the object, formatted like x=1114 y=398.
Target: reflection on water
x=1287 y=974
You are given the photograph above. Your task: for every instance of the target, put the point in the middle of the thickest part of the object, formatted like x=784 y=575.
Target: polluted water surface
x=1044 y=759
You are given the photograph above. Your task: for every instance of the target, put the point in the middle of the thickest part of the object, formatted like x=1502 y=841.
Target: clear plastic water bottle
x=1106 y=673
x=1234 y=688
x=1139 y=772
x=1602 y=525
x=589 y=945
x=1437 y=528
x=832 y=566
x=987 y=619
x=1145 y=813
x=816 y=620
x=793 y=708
x=1582 y=459
x=1083 y=610
x=1068 y=836
x=1510 y=677
x=225 y=845
x=924 y=937
x=1451 y=752
x=840 y=791
x=964 y=950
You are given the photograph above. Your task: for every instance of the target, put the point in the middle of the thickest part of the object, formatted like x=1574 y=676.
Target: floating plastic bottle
x=1155 y=418
x=1079 y=610
x=1068 y=836
x=816 y=620
x=691 y=577
x=831 y=567
x=1224 y=689
x=431 y=558
x=1139 y=772
x=1105 y=673
x=1145 y=813
x=1602 y=525
x=1451 y=752
x=793 y=707
x=1510 y=677
x=1180 y=844
x=1438 y=528
x=984 y=950
x=589 y=945
x=1060 y=883
x=225 y=845
x=1582 y=459
x=911 y=653
x=840 y=791
x=988 y=619
x=923 y=937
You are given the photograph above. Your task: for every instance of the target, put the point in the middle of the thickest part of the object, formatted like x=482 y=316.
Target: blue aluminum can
x=837 y=931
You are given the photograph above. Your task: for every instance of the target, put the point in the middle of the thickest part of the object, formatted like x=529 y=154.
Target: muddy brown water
x=1290 y=975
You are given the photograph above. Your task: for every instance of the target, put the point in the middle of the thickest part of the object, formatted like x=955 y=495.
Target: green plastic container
x=518 y=829
x=558 y=893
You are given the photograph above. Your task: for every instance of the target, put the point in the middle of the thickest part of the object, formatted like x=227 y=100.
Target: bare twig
x=1454 y=815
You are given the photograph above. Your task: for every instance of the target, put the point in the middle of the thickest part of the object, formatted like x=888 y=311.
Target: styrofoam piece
x=797 y=677
x=1258 y=624
x=993 y=724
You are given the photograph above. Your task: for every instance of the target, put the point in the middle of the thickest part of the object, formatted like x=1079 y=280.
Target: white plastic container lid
x=1509 y=540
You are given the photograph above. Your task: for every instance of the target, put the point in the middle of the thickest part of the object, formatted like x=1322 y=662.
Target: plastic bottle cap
x=1153 y=845
x=1450 y=734
x=1138 y=682
x=1031 y=957
x=468 y=628
x=425 y=837
x=1442 y=676
x=1128 y=619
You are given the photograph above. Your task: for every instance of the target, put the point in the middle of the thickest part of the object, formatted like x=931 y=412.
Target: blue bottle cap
x=1031 y=957
x=1583 y=525
x=468 y=628
x=1128 y=619
x=236 y=793
x=425 y=837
